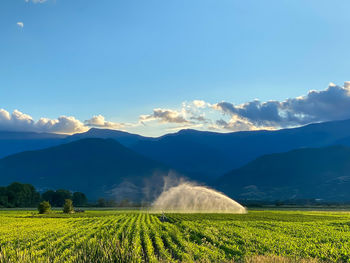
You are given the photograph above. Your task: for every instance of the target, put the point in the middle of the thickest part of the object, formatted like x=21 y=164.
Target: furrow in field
x=157 y=241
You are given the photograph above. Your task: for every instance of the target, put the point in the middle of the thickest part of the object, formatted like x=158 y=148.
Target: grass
x=138 y=236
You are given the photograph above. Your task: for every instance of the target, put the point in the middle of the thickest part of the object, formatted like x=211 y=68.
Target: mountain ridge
x=309 y=173
x=232 y=150
x=204 y=155
x=93 y=166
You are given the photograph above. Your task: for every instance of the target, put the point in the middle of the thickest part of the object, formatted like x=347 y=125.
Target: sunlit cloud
x=330 y=104
x=200 y=103
x=100 y=122
x=20 y=24
x=18 y=121
x=165 y=116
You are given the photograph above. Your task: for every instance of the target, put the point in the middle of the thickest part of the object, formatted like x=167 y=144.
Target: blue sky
x=141 y=64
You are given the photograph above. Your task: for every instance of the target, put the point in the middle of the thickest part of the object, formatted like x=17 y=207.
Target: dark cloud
x=330 y=104
x=200 y=119
x=255 y=111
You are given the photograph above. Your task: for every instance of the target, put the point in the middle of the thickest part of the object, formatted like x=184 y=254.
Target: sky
x=158 y=66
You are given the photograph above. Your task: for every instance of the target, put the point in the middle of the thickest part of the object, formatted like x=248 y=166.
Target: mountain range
x=311 y=173
x=238 y=163
x=203 y=155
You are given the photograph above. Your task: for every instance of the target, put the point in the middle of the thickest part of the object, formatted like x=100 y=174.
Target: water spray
x=189 y=198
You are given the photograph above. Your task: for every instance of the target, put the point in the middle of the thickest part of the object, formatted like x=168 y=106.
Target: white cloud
x=330 y=104
x=165 y=116
x=18 y=121
x=20 y=24
x=190 y=114
x=62 y=124
x=100 y=122
x=200 y=103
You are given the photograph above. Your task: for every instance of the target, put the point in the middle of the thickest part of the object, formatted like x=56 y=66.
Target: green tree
x=48 y=196
x=79 y=199
x=62 y=195
x=44 y=207
x=22 y=195
x=68 y=206
x=57 y=198
x=3 y=197
x=101 y=202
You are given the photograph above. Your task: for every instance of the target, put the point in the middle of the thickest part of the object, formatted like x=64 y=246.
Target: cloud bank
x=317 y=106
x=330 y=104
x=18 y=121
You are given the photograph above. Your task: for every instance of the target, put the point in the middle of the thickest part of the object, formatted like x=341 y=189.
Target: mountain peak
x=92 y=165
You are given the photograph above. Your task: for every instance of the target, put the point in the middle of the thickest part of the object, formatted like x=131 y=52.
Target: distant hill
x=97 y=167
x=202 y=155
x=15 y=142
x=125 y=138
x=210 y=154
x=318 y=173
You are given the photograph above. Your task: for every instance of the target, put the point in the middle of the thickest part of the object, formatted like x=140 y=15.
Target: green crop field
x=133 y=236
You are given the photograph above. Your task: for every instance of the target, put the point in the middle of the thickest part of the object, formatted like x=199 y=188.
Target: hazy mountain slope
x=125 y=138
x=187 y=152
x=304 y=173
x=202 y=155
x=212 y=154
x=93 y=166
x=15 y=142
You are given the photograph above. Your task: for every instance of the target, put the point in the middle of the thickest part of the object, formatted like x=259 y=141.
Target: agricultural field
x=139 y=236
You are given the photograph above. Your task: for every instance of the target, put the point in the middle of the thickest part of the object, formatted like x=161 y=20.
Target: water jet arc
x=187 y=198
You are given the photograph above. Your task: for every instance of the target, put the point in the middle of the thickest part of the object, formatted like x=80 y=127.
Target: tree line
x=25 y=195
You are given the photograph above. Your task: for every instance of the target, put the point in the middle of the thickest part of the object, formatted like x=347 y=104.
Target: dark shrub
x=68 y=206
x=44 y=207
x=79 y=199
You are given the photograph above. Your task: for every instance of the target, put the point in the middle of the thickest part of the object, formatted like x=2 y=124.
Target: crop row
x=142 y=237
